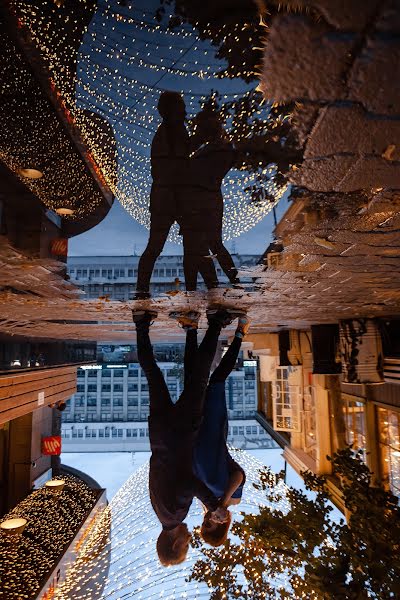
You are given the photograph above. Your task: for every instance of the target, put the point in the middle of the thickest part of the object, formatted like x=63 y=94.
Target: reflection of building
x=134 y=436
x=115 y=276
x=314 y=411
x=112 y=399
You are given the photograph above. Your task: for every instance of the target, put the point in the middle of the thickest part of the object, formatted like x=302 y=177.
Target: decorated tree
x=301 y=553
x=261 y=131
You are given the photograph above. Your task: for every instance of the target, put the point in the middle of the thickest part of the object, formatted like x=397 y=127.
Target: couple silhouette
x=189 y=456
x=187 y=174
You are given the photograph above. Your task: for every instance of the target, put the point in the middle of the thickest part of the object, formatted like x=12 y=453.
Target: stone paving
x=339 y=62
x=341 y=259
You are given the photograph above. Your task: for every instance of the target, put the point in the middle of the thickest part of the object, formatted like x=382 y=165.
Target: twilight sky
x=120 y=234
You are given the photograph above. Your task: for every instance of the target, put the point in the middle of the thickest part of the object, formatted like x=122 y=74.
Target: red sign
x=51 y=445
x=59 y=247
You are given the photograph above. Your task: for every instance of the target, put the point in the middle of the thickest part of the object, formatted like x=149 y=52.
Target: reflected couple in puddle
x=187 y=175
x=190 y=457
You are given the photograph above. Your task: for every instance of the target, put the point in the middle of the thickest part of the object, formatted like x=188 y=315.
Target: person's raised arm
x=205 y=495
x=236 y=479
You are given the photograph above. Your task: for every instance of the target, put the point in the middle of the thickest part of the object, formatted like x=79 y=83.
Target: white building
x=115 y=276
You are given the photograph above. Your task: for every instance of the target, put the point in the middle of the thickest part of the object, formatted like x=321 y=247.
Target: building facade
x=315 y=399
x=115 y=276
x=112 y=398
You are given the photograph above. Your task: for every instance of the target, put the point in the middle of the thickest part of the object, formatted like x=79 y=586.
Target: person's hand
x=220 y=515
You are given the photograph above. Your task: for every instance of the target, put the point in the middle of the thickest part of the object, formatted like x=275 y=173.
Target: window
x=106 y=387
x=79 y=402
x=142 y=433
x=132 y=401
x=132 y=387
x=119 y=272
x=145 y=401
x=133 y=373
x=117 y=402
x=104 y=273
x=106 y=373
x=79 y=273
x=118 y=373
x=97 y=273
x=118 y=417
x=92 y=373
x=80 y=387
x=92 y=402
x=181 y=273
x=170 y=272
x=92 y=387
x=84 y=272
x=91 y=273
x=105 y=402
x=118 y=387
x=130 y=272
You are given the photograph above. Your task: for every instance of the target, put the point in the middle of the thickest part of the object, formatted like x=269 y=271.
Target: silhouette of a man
x=173 y=429
x=169 y=161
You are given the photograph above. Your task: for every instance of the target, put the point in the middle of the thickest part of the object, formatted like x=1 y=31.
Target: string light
x=53 y=520
x=126 y=565
x=119 y=51
x=34 y=144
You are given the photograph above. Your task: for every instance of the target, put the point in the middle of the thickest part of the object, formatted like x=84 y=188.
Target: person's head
x=61 y=405
x=172 y=546
x=215 y=534
x=171 y=107
x=209 y=126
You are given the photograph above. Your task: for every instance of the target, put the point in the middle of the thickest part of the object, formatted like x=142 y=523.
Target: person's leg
x=158 y=235
x=158 y=391
x=163 y=210
x=190 y=354
x=216 y=245
x=228 y=361
x=225 y=259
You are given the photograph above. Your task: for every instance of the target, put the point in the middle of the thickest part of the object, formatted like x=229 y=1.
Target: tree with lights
x=267 y=149
x=301 y=553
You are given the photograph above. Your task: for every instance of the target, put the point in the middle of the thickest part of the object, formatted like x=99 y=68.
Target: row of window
x=117 y=387
x=92 y=374
x=119 y=273
x=130 y=273
x=113 y=432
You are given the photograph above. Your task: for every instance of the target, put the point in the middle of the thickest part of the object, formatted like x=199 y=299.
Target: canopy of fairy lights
x=126 y=566
x=127 y=58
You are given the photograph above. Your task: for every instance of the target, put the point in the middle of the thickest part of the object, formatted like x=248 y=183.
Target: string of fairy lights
x=31 y=136
x=125 y=61
x=53 y=519
x=126 y=566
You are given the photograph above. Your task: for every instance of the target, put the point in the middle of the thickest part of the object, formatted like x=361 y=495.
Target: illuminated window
x=389 y=443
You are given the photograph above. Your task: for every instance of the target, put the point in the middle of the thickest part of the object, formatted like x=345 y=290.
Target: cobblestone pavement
x=340 y=65
x=341 y=259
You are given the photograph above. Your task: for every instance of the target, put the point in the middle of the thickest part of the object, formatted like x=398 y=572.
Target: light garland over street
x=126 y=60
x=128 y=562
